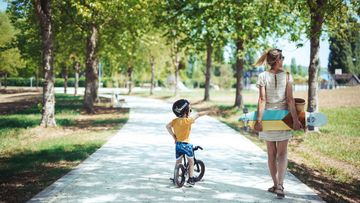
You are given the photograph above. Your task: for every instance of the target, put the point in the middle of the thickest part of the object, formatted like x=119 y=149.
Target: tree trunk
x=37 y=77
x=209 y=50
x=91 y=72
x=5 y=80
x=176 y=62
x=97 y=83
x=239 y=74
x=152 y=63
x=317 y=19
x=176 y=65
x=65 y=76
x=77 y=71
x=43 y=11
x=130 y=70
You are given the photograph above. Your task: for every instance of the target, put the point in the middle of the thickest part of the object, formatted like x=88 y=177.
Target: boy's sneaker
x=191 y=181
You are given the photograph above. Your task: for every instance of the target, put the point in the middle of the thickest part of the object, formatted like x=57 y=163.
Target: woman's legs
x=281 y=160
x=272 y=151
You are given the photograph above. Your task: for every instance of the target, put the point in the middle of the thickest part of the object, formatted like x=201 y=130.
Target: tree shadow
x=329 y=189
x=18 y=122
x=25 y=174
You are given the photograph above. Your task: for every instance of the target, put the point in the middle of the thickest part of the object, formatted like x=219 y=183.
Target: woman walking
x=275 y=92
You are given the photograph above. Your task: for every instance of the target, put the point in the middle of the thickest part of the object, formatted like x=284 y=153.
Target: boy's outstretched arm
x=171 y=132
x=200 y=114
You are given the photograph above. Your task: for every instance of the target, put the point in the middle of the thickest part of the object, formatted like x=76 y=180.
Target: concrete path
x=136 y=164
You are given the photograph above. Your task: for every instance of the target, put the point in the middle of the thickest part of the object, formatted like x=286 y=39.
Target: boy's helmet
x=180 y=107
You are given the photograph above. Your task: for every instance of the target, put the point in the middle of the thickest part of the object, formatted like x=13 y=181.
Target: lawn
x=31 y=157
x=328 y=161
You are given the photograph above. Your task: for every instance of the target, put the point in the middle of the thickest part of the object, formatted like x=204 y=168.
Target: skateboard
x=282 y=120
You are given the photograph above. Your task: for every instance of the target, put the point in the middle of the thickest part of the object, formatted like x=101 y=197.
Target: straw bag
x=299 y=102
x=300 y=109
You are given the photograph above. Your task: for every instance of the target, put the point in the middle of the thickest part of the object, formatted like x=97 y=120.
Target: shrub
x=25 y=82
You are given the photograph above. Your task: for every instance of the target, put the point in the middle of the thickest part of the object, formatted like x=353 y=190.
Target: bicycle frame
x=186 y=163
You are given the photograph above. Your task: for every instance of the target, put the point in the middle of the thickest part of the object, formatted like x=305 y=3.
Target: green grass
x=340 y=138
x=12 y=126
x=70 y=148
x=33 y=157
x=109 y=121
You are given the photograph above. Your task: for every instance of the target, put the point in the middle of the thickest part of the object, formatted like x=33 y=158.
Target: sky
x=2 y=5
x=301 y=55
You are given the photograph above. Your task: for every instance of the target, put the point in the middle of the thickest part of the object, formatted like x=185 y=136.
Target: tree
x=10 y=59
x=43 y=11
x=249 y=23
x=318 y=15
x=355 y=47
x=293 y=67
x=202 y=29
x=23 y=16
x=340 y=56
x=69 y=45
x=157 y=52
x=174 y=22
x=344 y=50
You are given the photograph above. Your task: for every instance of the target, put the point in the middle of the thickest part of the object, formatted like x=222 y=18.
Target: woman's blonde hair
x=269 y=57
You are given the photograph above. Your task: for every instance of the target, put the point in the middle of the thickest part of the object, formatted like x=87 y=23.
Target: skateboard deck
x=282 y=120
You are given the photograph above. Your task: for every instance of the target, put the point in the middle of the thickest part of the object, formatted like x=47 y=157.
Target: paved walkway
x=136 y=164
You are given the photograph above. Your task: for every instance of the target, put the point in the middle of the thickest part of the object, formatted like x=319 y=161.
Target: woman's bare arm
x=260 y=108
x=291 y=106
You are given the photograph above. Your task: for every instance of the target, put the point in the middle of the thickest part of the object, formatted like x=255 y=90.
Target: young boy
x=179 y=128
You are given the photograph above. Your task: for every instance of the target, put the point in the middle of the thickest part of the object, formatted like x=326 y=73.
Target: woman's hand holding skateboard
x=297 y=125
x=258 y=126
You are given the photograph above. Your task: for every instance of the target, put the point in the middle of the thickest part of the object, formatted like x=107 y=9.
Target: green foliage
x=293 y=66
x=340 y=56
x=7 y=31
x=226 y=77
x=25 y=82
x=23 y=17
x=253 y=22
x=10 y=59
x=344 y=51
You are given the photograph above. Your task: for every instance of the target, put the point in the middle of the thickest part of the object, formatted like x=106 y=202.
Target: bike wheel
x=199 y=170
x=179 y=175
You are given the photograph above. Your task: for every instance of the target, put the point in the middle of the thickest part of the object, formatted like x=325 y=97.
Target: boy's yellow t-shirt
x=182 y=127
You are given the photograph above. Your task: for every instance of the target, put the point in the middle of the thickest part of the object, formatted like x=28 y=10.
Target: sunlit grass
x=43 y=155
x=340 y=138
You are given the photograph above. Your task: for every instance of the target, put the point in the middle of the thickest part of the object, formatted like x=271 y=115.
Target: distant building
x=327 y=81
x=346 y=79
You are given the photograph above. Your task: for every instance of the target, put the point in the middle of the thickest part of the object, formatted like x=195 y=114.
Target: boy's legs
x=178 y=161
x=191 y=166
x=186 y=149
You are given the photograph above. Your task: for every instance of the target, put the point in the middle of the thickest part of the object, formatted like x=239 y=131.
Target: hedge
x=25 y=82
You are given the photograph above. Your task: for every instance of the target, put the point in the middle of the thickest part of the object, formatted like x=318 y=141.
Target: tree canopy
x=143 y=41
x=10 y=58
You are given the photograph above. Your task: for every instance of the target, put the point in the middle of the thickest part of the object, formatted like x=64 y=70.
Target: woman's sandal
x=272 y=189
x=280 y=191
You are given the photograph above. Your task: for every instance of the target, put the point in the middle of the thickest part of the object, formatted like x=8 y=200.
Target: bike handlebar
x=197 y=147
